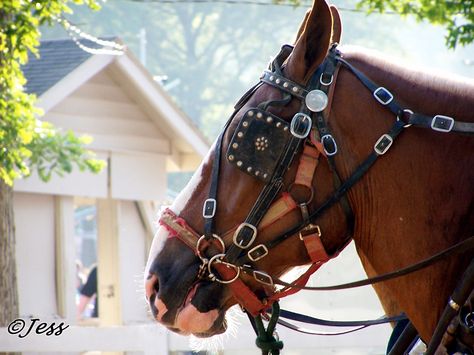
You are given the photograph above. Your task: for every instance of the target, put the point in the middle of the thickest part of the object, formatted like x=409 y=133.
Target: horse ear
x=337 y=25
x=312 y=45
x=303 y=25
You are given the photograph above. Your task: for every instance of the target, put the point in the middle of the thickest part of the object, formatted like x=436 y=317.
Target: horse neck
x=417 y=199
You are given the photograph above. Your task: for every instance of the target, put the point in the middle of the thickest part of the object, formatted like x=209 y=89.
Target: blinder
x=258 y=143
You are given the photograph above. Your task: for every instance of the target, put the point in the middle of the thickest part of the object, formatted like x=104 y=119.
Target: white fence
x=152 y=339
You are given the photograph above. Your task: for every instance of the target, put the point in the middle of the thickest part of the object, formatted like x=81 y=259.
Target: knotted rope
x=267 y=340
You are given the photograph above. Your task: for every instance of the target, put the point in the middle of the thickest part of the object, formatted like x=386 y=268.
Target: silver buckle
x=237 y=232
x=326 y=83
x=331 y=138
x=263 y=277
x=383 y=144
x=258 y=252
x=209 y=208
x=442 y=123
x=379 y=90
x=295 y=120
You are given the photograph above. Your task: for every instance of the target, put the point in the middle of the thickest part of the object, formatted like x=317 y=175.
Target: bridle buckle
x=241 y=230
x=383 y=96
x=263 y=277
x=301 y=119
x=258 y=252
x=310 y=229
x=442 y=123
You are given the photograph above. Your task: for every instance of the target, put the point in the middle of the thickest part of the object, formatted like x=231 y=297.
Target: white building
x=142 y=135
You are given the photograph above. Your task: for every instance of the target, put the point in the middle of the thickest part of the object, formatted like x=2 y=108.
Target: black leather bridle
x=310 y=119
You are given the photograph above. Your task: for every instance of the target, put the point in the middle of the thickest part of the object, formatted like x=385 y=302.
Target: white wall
x=132 y=246
x=34 y=220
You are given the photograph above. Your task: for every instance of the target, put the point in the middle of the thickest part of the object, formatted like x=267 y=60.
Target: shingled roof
x=57 y=58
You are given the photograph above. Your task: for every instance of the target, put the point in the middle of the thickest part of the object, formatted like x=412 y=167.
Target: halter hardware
x=241 y=232
x=301 y=125
x=442 y=123
x=263 y=277
x=329 y=145
x=205 y=239
x=383 y=96
x=383 y=144
x=217 y=259
x=209 y=208
x=326 y=82
x=258 y=252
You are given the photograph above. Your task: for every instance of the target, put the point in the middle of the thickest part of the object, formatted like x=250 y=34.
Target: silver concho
x=316 y=100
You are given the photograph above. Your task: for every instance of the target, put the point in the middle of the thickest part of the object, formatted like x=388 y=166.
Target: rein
x=260 y=131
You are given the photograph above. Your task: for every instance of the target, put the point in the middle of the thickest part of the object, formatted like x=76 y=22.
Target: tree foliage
x=26 y=141
x=456 y=15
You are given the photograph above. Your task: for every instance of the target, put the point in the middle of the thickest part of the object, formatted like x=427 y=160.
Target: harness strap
x=307 y=166
x=280 y=208
x=459 y=248
x=331 y=323
x=244 y=295
x=314 y=246
x=441 y=123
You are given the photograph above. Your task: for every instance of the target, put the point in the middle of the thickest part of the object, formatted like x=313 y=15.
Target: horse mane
x=450 y=94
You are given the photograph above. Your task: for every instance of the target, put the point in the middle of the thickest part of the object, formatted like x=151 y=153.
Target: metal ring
x=203 y=237
x=326 y=83
x=311 y=191
x=218 y=259
x=410 y=112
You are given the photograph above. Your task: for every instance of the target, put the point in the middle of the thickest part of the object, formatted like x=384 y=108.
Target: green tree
x=456 y=16
x=26 y=142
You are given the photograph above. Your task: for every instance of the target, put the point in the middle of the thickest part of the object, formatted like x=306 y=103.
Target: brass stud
x=231 y=157
x=257 y=173
x=235 y=145
x=269 y=119
x=295 y=89
x=285 y=84
x=239 y=163
x=278 y=124
x=250 y=113
x=245 y=123
x=286 y=128
x=265 y=175
x=278 y=81
x=259 y=115
x=272 y=77
x=240 y=134
x=249 y=169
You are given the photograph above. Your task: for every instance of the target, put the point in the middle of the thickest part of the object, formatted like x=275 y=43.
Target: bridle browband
x=307 y=132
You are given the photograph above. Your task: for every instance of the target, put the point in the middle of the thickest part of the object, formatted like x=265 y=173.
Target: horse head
x=188 y=273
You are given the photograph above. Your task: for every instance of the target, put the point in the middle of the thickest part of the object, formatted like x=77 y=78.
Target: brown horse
x=415 y=201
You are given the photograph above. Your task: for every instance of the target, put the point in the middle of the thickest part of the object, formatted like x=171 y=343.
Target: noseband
x=264 y=146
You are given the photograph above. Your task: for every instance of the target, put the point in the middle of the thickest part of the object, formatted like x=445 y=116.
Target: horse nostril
x=151 y=285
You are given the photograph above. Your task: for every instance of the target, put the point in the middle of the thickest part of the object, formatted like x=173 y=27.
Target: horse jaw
x=178 y=205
